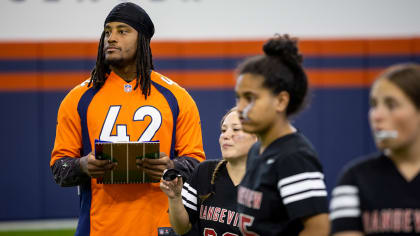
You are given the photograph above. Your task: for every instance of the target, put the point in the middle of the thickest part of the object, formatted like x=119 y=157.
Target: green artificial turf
x=64 y=232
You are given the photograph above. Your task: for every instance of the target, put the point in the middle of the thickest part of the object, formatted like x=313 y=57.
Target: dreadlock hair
x=144 y=65
x=213 y=178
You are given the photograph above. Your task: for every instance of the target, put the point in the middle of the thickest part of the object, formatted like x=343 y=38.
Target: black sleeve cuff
x=185 y=165
x=307 y=208
x=67 y=172
x=346 y=224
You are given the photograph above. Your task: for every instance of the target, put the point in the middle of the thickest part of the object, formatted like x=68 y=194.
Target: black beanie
x=134 y=16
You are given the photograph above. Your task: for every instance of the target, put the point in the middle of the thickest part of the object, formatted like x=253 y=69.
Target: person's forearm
x=178 y=216
x=67 y=172
x=316 y=225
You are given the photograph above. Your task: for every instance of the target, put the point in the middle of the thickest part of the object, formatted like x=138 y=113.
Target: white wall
x=214 y=19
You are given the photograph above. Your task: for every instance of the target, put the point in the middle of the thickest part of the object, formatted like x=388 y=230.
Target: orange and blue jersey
x=118 y=112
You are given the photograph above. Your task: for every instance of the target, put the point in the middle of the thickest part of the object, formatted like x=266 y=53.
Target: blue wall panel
x=26 y=184
x=20 y=176
x=57 y=201
x=212 y=105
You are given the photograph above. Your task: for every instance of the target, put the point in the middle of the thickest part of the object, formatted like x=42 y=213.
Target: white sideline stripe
x=185 y=194
x=354 y=212
x=344 y=201
x=305 y=175
x=38 y=224
x=191 y=189
x=305 y=195
x=304 y=185
x=189 y=205
x=345 y=189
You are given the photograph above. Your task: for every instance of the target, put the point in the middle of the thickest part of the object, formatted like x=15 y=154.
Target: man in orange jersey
x=125 y=100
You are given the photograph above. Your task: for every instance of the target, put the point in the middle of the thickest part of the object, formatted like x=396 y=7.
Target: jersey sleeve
x=190 y=196
x=68 y=138
x=345 y=213
x=189 y=141
x=301 y=185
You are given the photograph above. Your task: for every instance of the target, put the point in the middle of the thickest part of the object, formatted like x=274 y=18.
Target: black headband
x=134 y=16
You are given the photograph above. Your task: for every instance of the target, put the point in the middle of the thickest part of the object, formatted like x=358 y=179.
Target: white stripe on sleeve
x=188 y=196
x=345 y=189
x=191 y=189
x=189 y=205
x=300 y=176
x=304 y=195
x=301 y=186
x=342 y=213
x=344 y=201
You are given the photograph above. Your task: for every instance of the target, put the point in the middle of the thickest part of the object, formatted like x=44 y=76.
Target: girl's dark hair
x=407 y=78
x=281 y=67
x=144 y=65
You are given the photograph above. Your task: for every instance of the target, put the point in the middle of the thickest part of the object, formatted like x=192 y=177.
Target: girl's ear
x=282 y=101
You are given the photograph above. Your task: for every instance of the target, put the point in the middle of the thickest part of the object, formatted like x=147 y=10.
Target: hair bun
x=284 y=47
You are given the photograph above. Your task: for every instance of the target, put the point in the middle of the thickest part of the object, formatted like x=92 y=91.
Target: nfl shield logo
x=127 y=88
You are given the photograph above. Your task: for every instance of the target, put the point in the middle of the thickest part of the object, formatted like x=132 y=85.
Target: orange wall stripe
x=342 y=78
x=390 y=47
x=34 y=82
x=57 y=81
x=332 y=47
x=69 y=50
x=357 y=47
x=206 y=48
x=19 y=82
x=19 y=50
x=203 y=79
x=66 y=50
x=189 y=79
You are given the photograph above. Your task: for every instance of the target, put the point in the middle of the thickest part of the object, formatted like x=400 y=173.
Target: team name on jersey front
x=392 y=221
x=249 y=198
x=218 y=214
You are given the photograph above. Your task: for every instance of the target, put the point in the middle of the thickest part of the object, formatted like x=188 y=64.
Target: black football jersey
x=373 y=197
x=282 y=185
x=217 y=214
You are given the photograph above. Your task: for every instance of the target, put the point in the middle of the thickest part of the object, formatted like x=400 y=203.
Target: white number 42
x=121 y=129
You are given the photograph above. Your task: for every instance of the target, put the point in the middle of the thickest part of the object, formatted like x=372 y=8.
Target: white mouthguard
x=246 y=111
x=386 y=134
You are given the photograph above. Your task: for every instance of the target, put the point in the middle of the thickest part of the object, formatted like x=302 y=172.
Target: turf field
x=58 y=227
x=39 y=233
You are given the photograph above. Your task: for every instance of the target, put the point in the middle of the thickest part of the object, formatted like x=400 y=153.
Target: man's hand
x=95 y=168
x=154 y=167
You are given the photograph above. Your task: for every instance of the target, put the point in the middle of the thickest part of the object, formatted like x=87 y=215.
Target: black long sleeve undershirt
x=185 y=165
x=68 y=173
